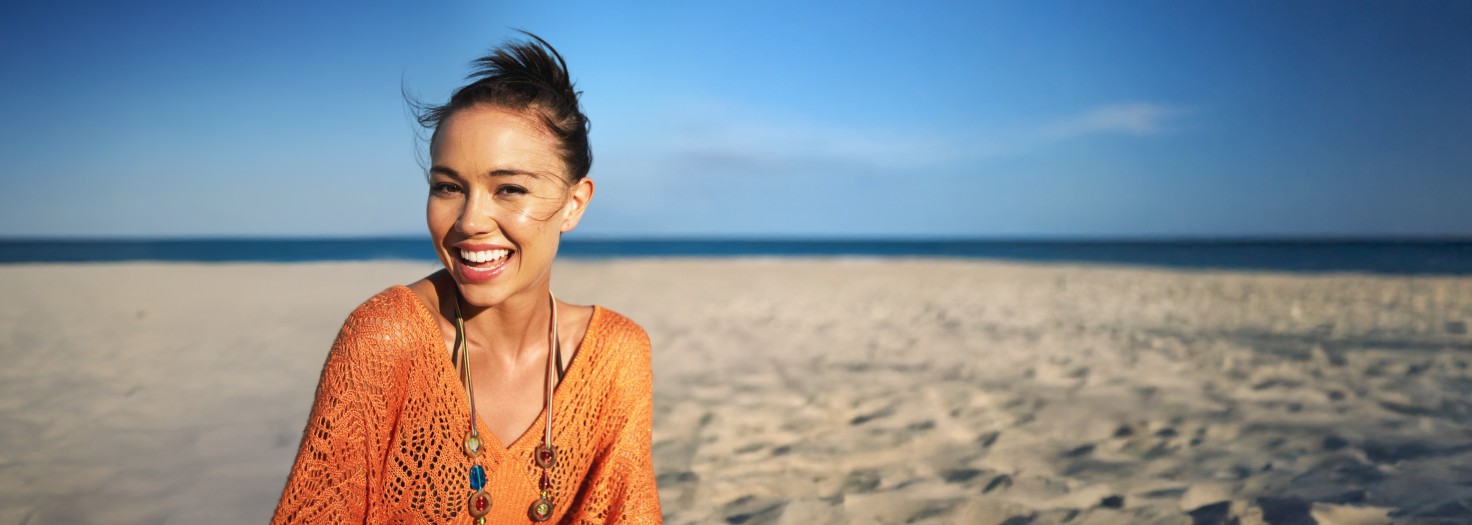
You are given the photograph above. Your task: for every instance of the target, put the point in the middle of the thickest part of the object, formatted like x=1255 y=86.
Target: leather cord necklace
x=545 y=455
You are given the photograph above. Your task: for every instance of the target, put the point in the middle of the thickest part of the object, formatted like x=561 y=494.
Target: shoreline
x=798 y=390
x=1384 y=256
x=432 y=265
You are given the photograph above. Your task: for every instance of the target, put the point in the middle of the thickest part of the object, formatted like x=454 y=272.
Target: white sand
x=800 y=391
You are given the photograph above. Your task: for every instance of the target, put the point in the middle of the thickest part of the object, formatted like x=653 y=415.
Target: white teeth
x=483 y=256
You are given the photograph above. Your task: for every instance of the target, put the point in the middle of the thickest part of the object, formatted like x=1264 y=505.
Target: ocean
x=1397 y=257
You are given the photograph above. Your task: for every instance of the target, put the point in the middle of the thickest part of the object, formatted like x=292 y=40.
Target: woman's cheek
x=441 y=216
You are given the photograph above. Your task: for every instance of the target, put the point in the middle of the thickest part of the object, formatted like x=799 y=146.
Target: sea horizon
x=1426 y=255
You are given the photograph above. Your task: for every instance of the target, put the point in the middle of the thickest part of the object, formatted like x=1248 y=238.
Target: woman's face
x=499 y=199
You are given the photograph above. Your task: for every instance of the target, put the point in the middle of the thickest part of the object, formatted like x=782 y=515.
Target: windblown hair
x=523 y=76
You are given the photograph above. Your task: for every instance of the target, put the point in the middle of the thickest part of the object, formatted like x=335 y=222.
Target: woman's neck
x=512 y=331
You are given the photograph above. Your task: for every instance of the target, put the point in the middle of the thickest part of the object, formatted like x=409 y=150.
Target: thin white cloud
x=1134 y=118
x=757 y=140
x=706 y=137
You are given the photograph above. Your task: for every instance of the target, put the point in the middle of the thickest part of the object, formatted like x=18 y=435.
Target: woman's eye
x=511 y=190
x=444 y=188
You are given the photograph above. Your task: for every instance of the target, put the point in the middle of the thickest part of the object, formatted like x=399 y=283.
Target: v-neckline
x=462 y=399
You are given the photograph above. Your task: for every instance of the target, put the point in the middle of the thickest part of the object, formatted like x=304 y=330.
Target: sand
x=800 y=391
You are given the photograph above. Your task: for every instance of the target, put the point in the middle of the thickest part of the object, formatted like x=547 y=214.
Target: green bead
x=472 y=446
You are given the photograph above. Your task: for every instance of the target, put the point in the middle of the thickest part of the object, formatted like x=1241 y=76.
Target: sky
x=1027 y=119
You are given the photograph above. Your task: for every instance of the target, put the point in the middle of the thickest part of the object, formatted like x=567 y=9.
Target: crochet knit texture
x=384 y=440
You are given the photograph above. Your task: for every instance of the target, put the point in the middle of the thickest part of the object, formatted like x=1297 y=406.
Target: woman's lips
x=480 y=272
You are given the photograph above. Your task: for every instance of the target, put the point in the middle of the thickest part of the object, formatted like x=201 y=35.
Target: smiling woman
x=497 y=188
x=452 y=399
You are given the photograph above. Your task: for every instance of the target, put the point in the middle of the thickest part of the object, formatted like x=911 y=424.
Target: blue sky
x=758 y=119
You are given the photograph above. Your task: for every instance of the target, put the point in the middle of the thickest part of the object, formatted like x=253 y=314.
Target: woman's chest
x=431 y=475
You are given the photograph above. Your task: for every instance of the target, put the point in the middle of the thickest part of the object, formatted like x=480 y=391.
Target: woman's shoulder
x=387 y=321
x=624 y=354
x=395 y=307
x=617 y=331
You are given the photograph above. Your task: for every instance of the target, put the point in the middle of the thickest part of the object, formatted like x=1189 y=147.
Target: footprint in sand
x=753 y=510
x=861 y=481
x=960 y=476
x=1002 y=483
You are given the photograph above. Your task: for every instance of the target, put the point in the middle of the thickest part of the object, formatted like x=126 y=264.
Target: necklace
x=545 y=456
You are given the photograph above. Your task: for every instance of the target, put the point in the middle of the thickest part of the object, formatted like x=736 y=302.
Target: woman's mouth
x=478 y=266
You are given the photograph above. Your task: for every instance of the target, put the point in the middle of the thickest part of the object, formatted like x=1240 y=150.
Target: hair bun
x=524 y=76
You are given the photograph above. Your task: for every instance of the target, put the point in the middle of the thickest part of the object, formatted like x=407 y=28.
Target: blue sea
x=1398 y=257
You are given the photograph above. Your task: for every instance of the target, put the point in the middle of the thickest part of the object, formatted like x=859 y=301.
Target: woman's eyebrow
x=500 y=172
x=510 y=172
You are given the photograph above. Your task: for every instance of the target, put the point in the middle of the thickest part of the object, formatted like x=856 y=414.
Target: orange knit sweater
x=383 y=442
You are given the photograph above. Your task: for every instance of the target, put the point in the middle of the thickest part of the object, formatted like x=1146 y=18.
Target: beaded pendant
x=541 y=510
x=480 y=502
x=472 y=445
x=545 y=456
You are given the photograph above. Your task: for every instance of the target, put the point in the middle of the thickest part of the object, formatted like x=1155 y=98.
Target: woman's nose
x=477 y=216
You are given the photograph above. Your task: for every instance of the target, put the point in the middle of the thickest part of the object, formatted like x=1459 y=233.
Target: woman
x=473 y=395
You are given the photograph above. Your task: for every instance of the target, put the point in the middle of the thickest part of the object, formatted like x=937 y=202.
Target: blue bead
x=477 y=477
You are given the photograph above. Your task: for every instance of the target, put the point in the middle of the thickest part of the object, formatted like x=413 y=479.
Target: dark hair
x=523 y=76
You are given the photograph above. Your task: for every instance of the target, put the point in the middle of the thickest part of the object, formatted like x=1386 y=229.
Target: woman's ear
x=582 y=194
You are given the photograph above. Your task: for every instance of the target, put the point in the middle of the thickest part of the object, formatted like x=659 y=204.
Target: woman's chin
x=480 y=295
x=485 y=294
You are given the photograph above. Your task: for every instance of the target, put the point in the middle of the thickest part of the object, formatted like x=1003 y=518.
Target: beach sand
x=800 y=391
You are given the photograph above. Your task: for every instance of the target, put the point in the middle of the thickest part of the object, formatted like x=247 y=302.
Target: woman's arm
x=624 y=488
x=340 y=454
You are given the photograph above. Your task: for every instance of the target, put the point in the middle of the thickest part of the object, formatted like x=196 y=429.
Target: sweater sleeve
x=339 y=457
x=627 y=480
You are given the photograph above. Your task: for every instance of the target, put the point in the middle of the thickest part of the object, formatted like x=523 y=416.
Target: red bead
x=479 y=504
x=546 y=483
x=545 y=456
